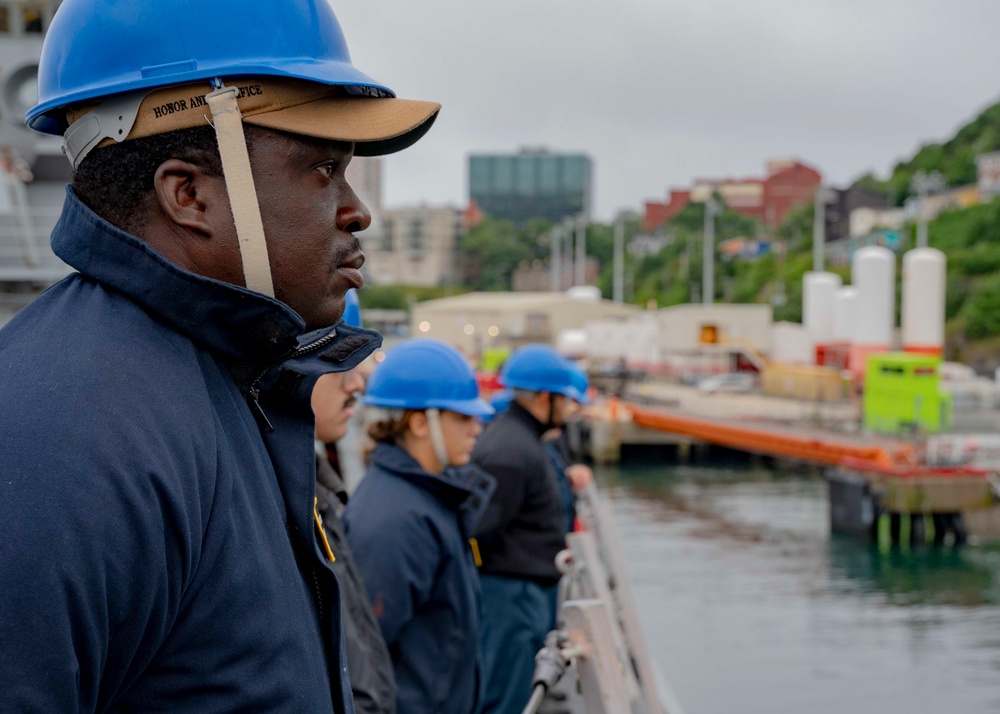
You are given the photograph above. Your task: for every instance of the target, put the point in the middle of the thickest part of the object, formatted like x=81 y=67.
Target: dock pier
x=880 y=487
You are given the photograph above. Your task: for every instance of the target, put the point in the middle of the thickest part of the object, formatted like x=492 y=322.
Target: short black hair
x=116 y=180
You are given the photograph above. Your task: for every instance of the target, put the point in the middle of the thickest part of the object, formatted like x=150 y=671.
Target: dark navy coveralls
x=409 y=531
x=522 y=531
x=158 y=550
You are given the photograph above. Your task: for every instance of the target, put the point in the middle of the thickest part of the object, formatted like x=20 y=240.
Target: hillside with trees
x=955 y=159
x=491 y=251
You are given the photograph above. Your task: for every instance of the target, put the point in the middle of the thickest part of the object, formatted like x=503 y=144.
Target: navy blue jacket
x=409 y=531
x=554 y=449
x=157 y=545
x=524 y=527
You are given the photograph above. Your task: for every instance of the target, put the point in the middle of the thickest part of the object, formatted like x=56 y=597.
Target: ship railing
x=25 y=252
x=602 y=641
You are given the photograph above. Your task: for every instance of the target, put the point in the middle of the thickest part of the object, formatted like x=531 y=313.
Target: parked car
x=730 y=382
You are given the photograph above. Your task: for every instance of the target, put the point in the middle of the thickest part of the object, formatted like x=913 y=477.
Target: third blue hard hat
x=539 y=368
x=425 y=374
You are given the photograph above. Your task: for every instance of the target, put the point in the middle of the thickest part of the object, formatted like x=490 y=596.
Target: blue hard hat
x=581 y=383
x=352 y=308
x=539 y=368
x=97 y=48
x=425 y=374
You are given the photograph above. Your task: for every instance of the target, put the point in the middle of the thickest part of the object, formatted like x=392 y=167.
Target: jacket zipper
x=253 y=391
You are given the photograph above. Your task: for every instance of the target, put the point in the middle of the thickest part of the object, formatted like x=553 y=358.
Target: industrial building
x=687 y=340
x=788 y=183
x=476 y=322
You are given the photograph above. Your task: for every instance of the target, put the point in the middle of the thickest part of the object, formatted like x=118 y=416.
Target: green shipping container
x=902 y=394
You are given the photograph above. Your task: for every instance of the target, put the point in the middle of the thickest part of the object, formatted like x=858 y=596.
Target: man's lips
x=351 y=270
x=355 y=261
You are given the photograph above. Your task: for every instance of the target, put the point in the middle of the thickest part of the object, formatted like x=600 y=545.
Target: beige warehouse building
x=478 y=321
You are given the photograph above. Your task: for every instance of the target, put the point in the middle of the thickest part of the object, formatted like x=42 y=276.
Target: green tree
x=493 y=249
x=982 y=309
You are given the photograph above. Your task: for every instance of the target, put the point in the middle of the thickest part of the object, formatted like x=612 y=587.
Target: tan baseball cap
x=376 y=125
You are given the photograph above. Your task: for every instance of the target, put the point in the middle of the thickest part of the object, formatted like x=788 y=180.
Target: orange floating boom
x=773 y=443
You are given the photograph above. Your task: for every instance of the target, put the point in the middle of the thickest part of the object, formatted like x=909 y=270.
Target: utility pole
x=618 y=269
x=581 y=251
x=568 y=231
x=708 y=253
x=924 y=183
x=555 y=259
x=820 y=198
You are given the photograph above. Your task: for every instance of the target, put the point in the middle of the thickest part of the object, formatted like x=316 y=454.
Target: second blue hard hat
x=425 y=374
x=539 y=368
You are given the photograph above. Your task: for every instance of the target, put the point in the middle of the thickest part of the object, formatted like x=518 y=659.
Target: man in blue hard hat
x=158 y=541
x=524 y=527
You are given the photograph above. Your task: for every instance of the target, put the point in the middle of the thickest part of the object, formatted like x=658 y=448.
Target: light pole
x=568 y=234
x=555 y=259
x=712 y=208
x=820 y=199
x=618 y=269
x=581 y=251
x=924 y=183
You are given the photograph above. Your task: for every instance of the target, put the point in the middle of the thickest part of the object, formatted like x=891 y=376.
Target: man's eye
x=329 y=169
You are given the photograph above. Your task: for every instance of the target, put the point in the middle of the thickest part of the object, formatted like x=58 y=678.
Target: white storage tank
x=572 y=342
x=818 y=292
x=924 y=279
x=584 y=293
x=845 y=305
x=873 y=274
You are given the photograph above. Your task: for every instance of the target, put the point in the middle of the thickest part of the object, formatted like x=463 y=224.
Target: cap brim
x=468 y=407
x=377 y=126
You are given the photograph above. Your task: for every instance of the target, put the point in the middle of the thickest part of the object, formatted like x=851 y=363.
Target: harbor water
x=750 y=605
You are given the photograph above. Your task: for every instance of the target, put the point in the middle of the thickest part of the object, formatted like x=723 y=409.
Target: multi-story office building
x=534 y=183
x=413 y=246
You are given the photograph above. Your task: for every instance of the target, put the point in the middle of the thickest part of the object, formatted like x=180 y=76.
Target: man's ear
x=185 y=192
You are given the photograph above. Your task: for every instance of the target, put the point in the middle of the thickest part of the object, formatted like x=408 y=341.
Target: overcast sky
x=658 y=92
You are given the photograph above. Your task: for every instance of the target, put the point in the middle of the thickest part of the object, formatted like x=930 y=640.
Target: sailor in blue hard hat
x=167 y=555
x=524 y=527
x=411 y=519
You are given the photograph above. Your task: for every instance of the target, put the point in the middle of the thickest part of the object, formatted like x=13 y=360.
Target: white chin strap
x=437 y=437
x=228 y=124
x=114 y=119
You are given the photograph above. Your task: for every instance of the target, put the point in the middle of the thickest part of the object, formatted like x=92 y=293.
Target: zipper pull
x=258 y=410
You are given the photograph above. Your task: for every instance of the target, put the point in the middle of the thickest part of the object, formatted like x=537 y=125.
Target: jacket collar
x=242 y=325
x=466 y=489
x=523 y=416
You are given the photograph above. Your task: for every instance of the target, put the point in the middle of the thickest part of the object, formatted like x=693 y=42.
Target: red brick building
x=768 y=200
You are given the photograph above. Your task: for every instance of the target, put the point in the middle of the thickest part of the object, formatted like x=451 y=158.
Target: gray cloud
x=658 y=92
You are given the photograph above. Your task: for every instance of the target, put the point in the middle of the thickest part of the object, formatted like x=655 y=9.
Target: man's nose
x=354 y=382
x=353 y=215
